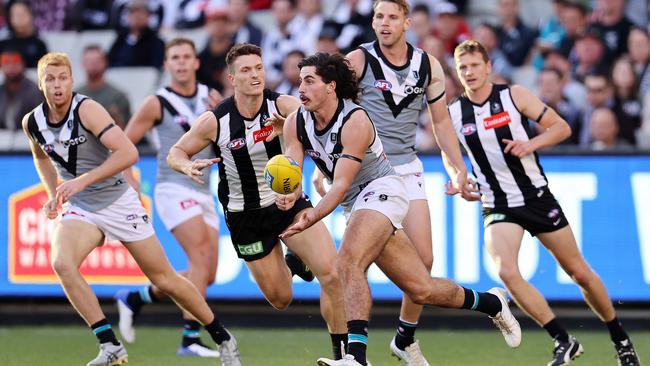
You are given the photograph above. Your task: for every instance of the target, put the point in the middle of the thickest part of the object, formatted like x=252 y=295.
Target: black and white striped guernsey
x=504 y=179
x=244 y=154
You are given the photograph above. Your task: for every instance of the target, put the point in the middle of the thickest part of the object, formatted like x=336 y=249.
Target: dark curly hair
x=335 y=67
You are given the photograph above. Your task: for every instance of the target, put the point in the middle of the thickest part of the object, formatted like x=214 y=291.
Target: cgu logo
x=74 y=142
x=383 y=85
x=410 y=89
x=236 y=144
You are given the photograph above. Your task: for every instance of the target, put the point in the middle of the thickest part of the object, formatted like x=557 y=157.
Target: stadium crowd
x=588 y=59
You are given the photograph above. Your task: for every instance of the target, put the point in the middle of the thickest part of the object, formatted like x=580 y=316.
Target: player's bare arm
x=294 y=149
x=356 y=136
x=46 y=171
x=142 y=121
x=443 y=129
x=203 y=133
x=557 y=129
x=123 y=153
x=286 y=105
x=357 y=60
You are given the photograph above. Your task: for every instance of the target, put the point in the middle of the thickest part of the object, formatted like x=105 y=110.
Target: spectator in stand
x=487 y=35
x=291 y=74
x=121 y=13
x=605 y=132
x=589 y=53
x=306 y=25
x=138 y=45
x=550 y=81
x=90 y=15
x=551 y=32
x=421 y=25
x=50 y=15
x=599 y=95
x=186 y=14
x=434 y=46
x=212 y=70
x=353 y=21
x=574 y=22
x=23 y=36
x=114 y=100
x=643 y=133
x=638 y=43
x=18 y=94
x=574 y=90
x=450 y=27
x=242 y=29
x=278 y=43
x=627 y=104
x=516 y=39
x=613 y=26
x=327 y=40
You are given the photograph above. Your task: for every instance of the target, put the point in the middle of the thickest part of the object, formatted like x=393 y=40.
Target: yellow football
x=282 y=174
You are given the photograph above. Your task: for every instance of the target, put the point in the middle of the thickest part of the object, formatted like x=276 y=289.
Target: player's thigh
x=315 y=247
x=417 y=226
x=195 y=238
x=503 y=241
x=400 y=261
x=562 y=244
x=73 y=240
x=270 y=272
x=150 y=257
x=364 y=239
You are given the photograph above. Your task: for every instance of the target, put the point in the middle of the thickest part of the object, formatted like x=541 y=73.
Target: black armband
x=99 y=136
x=436 y=98
x=542 y=114
x=348 y=156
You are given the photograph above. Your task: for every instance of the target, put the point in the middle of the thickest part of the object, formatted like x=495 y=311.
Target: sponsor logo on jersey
x=262 y=134
x=383 y=85
x=236 y=144
x=468 y=129
x=313 y=153
x=411 y=89
x=48 y=148
x=181 y=120
x=187 y=203
x=496 y=120
x=553 y=213
x=251 y=249
x=367 y=195
x=131 y=217
x=74 y=142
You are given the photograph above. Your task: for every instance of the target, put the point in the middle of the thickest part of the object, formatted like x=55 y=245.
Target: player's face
x=181 y=63
x=247 y=75
x=56 y=85
x=390 y=24
x=313 y=90
x=473 y=71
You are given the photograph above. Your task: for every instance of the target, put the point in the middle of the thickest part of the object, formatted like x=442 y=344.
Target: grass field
x=45 y=346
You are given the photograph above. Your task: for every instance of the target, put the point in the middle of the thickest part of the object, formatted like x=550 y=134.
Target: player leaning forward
x=75 y=137
x=339 y=136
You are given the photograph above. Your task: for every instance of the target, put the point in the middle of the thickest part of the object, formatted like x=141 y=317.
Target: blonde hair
x=53 y=59
x=402 y=4
x=471 y=46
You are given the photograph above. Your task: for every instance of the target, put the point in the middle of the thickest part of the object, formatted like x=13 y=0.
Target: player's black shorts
x=254 y=233
x=541 y=214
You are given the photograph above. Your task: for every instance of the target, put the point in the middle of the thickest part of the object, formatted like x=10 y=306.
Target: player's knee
x=165 y=282
x=509 y=274
x=329 y=278
x=582 y=276
x=62 y=267
x=280 y=299
x=421 y=296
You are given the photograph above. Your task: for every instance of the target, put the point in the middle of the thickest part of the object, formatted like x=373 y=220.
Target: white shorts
x=176 y=204
x=124 y=220
x=386 y=195
x=413 y=175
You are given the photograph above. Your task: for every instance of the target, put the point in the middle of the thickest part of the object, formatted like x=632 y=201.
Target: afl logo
x=313 y=154
x=236 y=144
x=181 y=120
x=468 y=129
x=383 y=85
x=48 y=148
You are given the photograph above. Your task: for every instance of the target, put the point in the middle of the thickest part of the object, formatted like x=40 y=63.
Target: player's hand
x=318 y=179
x=214 y=98
x=51 y=207
x=277 y=121
x=518 y=148
x=285 y=201
x=305 y=219
x=470 y=193
x=195 y=169
x=69 y=188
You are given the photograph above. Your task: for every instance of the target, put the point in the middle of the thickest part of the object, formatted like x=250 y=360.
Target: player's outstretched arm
x=294 y=149
x=557 y=129
x=203 y=132
x=287 y=104
x=357 y=60
x=143 y=119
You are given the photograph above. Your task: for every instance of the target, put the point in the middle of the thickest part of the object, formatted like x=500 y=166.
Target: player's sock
x=405 y=334
x=191 y=332
x=104 y=333
x=137 y=299
x=484 y=302
x=616 y=331
x=217 y=331
x=556 y=331
x=339 y=344
x=358 y=340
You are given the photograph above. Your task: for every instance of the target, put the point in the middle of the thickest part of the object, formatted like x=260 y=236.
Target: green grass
x=45 y=346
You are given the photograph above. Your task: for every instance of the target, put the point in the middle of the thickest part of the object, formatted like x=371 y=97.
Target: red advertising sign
x=30 y=233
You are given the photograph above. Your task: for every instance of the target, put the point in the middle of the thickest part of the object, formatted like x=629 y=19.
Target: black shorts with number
x=541 y=214
x=254 y=233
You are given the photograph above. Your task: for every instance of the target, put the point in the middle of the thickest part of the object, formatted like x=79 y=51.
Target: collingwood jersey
x=504 y=179
x=324 y=147
x=244 y=153
x=74 y=151
x=394 y=97
x=177 y=114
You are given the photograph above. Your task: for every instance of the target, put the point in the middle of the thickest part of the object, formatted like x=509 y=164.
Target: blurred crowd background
x=588 y=59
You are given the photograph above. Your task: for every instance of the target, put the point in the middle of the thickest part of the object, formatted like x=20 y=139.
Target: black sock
x=137 y=299
x=358 y=340
x=616 y=331
x=191 y=332
x=217 y=331
x=556 y=331
x=405 y=334
x=484 y=302
x=337 y=340
x=104 y=333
